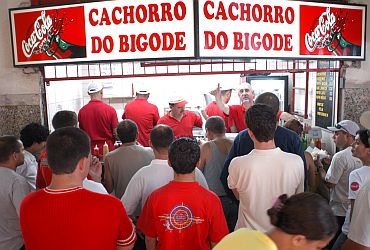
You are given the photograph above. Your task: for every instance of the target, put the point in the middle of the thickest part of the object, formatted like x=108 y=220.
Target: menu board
x=324 y=97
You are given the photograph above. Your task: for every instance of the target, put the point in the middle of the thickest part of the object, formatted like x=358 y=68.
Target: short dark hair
x=364 y=136
x=183 y=155
x=127 y=131
x=161 y=136
x=33 y=132
x=215 y=124
x=9 y=144
x=295 y=126
x=269 y=99
x=261 y=120
x=306 y=214
x=64 y=118
x=65 y=147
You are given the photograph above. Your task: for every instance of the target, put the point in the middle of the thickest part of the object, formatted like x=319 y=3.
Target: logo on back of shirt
x=355 y=186
x=179 y=218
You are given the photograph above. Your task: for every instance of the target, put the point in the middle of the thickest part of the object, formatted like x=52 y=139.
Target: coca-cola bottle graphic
x=60 y=49
x=341 y=47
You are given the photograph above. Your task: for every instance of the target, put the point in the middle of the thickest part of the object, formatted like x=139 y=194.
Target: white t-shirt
x=356 y=180
x=359 y=229
x=342 y=164
x=157 y=174
x=28 y=169
x=94 y=186
x=260 y=178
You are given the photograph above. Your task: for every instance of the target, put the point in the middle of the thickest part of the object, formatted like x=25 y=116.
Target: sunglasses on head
x=338 y=126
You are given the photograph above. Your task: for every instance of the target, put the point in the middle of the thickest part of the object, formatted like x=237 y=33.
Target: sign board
x=281 y=29
x=103 y=31
x=139 y=30
x=324 y=97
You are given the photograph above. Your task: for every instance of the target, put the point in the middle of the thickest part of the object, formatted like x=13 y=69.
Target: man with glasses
x=342 y=164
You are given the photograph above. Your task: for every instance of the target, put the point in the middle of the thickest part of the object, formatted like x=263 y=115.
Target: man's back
x=74 y=218
x=148 y=179
x=98 y=120
x=183 y=215
x=145 y=115
x=124 y=162
x=13 y=188
x=260 y=177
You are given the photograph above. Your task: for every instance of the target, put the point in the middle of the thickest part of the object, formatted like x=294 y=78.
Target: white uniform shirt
x=260 y=178
x=342 y=164
x=357 y=178
x=29 y=169
x=359 y=229
x=157 y=174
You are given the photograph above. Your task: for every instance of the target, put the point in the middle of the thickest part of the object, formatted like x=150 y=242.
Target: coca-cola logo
x=322 y=34
x=38 y=38
x=355 y=186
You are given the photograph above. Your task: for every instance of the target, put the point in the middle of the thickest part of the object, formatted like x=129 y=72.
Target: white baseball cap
x=94 y=87
x=365 y=119
x=178 y=101
x=346 y=126
x=143 y=92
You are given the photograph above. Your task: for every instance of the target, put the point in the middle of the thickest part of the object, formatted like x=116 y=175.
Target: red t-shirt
x=145 y=115
x=74 y=218
x=183 y=215
x=183 y=128
x=212 y=109
x=98 y=120
x=237 y=114
x=43 y=177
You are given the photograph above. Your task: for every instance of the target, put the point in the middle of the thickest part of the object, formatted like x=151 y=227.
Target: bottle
x=304 y=141
x=96 y=151
x=105 y=149
x=341 y=47
x=60 y=49
x=318 y=143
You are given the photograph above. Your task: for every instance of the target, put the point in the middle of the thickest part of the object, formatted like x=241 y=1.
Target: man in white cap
x=144 y=114
x=98 y=119
x=180 y=120
x=342 y=164
x=212 y=108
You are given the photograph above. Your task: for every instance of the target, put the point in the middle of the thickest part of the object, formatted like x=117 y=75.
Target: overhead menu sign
x=111 y=30
x=281 y=29
x=162 y=29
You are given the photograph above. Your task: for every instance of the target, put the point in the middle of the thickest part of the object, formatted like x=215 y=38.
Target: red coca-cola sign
x=50 y=34
x=331 y=31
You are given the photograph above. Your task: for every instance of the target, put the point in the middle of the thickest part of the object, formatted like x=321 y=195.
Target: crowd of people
x=161 y=189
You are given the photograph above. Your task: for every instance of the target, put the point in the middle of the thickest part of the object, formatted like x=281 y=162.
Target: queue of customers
x=177 y=194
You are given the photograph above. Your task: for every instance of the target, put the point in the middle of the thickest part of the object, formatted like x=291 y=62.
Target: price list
x=324 y=99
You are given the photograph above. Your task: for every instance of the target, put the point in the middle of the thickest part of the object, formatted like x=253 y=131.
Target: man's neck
x=30 y=150
x=184 y=177
x=160 y=154
x=126 y=144
x=264 y=145
x=8 y=165
x=65 y=181
x=178 y=117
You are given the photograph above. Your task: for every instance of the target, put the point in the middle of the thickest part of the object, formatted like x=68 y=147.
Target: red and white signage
x=281 y=29
x=139 y=30
x=103 y=31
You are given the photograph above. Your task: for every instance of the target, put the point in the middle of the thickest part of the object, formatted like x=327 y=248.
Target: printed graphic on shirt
x=179 y=218
x=355 y=186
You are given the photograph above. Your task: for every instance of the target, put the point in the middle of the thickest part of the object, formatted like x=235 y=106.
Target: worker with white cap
x=143 y=113
x=98 y=119
x=180 y=120
x=342 y=164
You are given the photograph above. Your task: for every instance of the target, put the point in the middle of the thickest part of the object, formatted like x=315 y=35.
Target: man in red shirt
x=212 y=108
x=73 y=217
x=144 y=114
x=98 y=119
x=180 y=120
x=182 y=214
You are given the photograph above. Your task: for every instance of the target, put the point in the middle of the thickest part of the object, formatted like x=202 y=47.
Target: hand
x=216 y=92
x=318 y=162
x=95 y=169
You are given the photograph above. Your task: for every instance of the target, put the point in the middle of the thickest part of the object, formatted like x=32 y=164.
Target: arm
x=95 y=171
x=311 y=170
x=156 y=116
x=108 y=180
x=132 y=196
x=351 y=245
x=150 y=243
x=236 y=193
x=205 y=153
x=221 y=105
